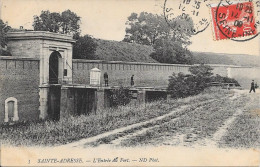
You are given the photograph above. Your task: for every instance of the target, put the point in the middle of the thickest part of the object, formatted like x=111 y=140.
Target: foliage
x=84 y=48
x=147 y=28
x=185 y=85
x=120 y=97
x=167 y=51
x=169 y=41
x=221 y=79
x=4 y=28
x=66 y=23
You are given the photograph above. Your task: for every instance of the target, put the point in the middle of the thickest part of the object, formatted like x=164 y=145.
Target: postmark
x=197 y=10
x=236 y=20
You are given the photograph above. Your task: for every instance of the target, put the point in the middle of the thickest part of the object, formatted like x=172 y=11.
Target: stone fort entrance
x=54 y=52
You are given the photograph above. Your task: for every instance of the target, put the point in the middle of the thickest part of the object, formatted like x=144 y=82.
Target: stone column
x=100 y=97
x=141 y=96
x=44 y=90
x=64 y=102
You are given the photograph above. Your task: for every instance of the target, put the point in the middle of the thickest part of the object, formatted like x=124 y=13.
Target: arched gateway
x=54 y=64
x=54 y=52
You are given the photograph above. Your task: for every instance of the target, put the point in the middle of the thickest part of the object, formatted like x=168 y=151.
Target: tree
x=4 y=28
x=84 y=48
x=169 y=41
x=66 y=23
x=147 y=28
x=167 y=51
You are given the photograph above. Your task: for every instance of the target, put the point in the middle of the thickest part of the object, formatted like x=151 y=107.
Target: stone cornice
x=157 y=64
x=18 y=58
x=44 y=35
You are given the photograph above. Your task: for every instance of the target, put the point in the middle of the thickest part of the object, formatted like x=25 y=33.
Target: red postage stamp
x=233 y=20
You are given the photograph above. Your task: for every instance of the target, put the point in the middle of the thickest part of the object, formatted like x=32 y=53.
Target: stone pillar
x=100 y=97
x=64 y=102
x=106 y=99
x=141 y=96
x=44 y=90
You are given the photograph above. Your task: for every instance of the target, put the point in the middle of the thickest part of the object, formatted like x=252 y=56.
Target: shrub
x=182 y=85
x=221 y=79
x=119 y=97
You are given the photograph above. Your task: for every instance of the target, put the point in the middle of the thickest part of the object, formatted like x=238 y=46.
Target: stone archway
x=54 y=67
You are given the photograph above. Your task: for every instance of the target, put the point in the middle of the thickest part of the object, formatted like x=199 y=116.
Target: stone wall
x=119 y=73
x=19 y=78
x=152 y=74
x=25 y=48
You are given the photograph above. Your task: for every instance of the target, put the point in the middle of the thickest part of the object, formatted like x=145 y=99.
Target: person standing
x=132 y=80
x=252 y=86
x=106 y=78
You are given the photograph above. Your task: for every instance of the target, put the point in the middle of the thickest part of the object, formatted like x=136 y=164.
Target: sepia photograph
x=129 y=83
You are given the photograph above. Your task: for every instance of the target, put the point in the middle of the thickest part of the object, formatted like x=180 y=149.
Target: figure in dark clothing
x=252 y=86
x=106 y=78
x=132 y=80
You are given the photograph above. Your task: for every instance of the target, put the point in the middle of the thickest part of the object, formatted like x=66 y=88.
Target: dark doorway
x=54 y=102
x=54 y=67
x=84 y=103
x=10 y=105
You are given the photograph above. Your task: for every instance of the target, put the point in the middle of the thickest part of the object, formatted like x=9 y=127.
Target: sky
x=105 y=19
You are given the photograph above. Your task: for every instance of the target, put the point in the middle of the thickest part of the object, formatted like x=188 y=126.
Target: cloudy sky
x=105 y=19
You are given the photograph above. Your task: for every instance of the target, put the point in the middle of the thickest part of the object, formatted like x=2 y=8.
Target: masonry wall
x=19 y=78
x=145 y=74
x=119 y=73
x=25 y=48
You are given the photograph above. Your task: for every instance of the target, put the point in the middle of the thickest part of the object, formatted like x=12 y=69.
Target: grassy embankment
x=202 y=123
x=245 y=130
x=71 y=129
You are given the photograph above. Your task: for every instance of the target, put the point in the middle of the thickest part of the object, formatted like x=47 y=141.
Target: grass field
x=71 y=129
x=207 y=125
x=193 y=125
x=245 y=131
x=225 y=122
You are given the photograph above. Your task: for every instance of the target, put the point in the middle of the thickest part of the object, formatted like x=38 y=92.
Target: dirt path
x=87 y=141
x=213 y=141
x=120 y=130
x=116 y=137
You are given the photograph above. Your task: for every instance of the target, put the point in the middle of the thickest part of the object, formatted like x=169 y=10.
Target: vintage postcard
x=129 y=83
